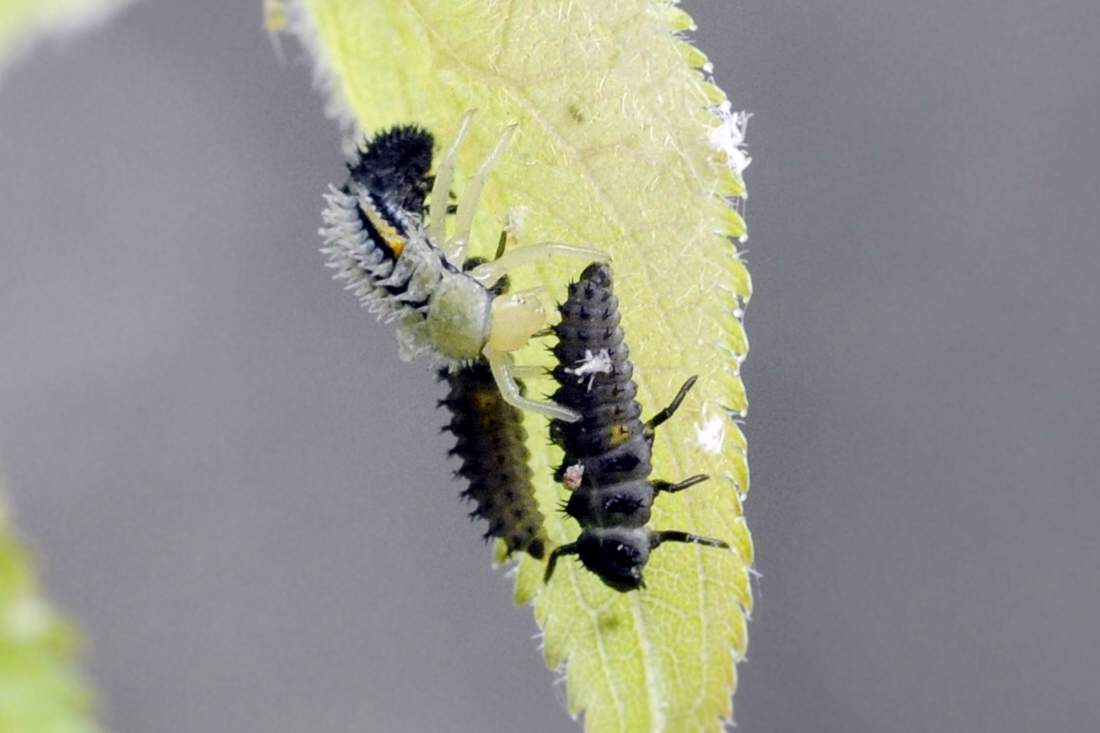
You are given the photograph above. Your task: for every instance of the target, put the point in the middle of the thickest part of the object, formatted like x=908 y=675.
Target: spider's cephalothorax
x=490 y=442
x=405 y=268
x=607 y=452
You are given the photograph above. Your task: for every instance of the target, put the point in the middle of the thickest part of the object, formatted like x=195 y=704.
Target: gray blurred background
x=217 y=453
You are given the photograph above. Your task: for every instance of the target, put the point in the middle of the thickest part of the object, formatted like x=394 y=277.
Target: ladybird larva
x=490 y=442
x=607 y=452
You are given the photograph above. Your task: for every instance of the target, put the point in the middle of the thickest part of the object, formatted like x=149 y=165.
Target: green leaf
x=22 y=21
x=617 y=149
x=41 y=690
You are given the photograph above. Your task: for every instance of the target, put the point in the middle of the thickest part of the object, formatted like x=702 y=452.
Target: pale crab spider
x=376 y=240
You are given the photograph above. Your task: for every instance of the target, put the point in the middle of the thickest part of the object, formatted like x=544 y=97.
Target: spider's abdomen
x=458 y=317
x=490 y=442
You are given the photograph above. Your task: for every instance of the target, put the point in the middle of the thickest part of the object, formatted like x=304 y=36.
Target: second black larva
x=607 y=452
x=386 y=236
x=491 y=445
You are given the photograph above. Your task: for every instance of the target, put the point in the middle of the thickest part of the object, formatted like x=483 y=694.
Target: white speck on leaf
x=729 y=137
x=711 y=434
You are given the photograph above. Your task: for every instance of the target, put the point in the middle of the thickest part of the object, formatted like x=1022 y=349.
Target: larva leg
x=500 y=363
x=670 y=488
x=570 y=549
x=488 y=273
x=467 y=205
x=662 y=416
x=444 y=177
x=672 y=535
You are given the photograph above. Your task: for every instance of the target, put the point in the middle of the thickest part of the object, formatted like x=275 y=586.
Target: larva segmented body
x=490 y=441
x=607 y=452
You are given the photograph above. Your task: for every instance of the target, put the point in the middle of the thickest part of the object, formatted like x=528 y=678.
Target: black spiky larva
x=490 y=441
x=408 y=270
x=607 y=452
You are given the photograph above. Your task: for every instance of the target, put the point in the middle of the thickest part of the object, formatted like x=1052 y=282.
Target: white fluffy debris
x=591 y=365
x=573 y=476
x=729 y=137
x=710 y=436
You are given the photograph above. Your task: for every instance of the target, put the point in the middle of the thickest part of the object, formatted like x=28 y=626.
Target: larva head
x=616 y=555
x=516 y=317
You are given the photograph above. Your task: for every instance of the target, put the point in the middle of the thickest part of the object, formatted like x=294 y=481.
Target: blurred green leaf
x=41 y=690
x=24 y=21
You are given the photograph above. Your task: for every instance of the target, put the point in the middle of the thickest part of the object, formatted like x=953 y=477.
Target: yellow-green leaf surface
x=616 y=149
x=41 y=690
x=22 y=21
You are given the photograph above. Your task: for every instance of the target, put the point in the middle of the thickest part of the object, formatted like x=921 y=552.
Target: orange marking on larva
x=390 y=236
x=620 y=433
x=397 y=246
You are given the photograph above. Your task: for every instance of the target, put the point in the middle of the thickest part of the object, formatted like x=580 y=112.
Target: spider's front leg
x=467 y=205
x=454 y=248
x=514 y=318
x=444 y=177
x=500 y=363
x=489 y=273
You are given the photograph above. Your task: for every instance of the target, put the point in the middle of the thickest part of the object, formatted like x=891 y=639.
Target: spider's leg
x=488 y=273
x=464 y=219
x=441 y=186
x=500 y=363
